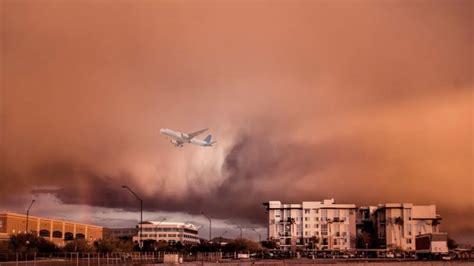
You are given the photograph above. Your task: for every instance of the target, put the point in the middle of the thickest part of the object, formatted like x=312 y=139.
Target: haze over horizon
x=365 y=102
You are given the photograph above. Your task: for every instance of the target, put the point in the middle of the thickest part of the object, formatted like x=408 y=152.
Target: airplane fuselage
x=182 y=137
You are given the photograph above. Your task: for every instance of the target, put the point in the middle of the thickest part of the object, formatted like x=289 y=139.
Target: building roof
x=158 y=223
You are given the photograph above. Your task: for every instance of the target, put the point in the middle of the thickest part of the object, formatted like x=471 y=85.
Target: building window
x=409 y=229
x=324 y=229
x=382 y=231
x=336 y=213
x=68 y=236
x=306 y=226
x=44 y=233
x=316 y=225
x=316 y=219
x=316 y=211
x=408 y=240
x=408 y=213
x=306 y=211
x=324 y=214
x=57 y=234
x=306 y=219
x=80 y=236
x=325 y=241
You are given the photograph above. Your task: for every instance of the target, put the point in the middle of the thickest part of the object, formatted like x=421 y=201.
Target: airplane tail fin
x=208 y=138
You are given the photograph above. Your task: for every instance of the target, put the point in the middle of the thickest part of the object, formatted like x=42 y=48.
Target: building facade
x=170 y=232
x=312 y=224
x=329 y=226
x=398 y=224
x=55 y=230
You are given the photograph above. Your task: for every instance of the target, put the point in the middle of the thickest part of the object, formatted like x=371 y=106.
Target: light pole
x=140 y=244
x=241 y=229
x=28 y=215
x=259 y=235
x=210 y=225
x=156 y=231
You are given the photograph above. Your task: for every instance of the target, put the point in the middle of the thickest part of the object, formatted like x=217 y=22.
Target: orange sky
x=366 y=102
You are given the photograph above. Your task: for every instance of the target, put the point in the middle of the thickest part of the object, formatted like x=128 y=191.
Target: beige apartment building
x=56 y=230
x=312 y=224
x=398 y=224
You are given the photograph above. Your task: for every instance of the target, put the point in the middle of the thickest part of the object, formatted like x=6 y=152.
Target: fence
x=90 y=258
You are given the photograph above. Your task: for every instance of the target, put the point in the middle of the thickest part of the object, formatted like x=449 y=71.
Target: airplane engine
x=176 y=143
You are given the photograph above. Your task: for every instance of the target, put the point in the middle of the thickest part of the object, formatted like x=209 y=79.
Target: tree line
x=30 y=243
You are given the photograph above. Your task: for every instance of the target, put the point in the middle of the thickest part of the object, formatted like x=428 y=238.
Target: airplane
x=179 y=138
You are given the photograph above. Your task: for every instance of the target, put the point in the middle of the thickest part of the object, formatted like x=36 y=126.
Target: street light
x=28 y=215
x=241 y=229
x=210 y=225
x=141 y=214
x=259 y=235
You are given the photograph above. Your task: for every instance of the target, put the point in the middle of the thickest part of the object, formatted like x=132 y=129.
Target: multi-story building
x=312 y=224
x=56 y=230
x=399 y=223
x=170 y=232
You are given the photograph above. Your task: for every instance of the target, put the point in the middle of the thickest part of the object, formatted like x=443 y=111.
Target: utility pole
x=28 y=215
x=210 y=225
x=259 y=235
x=140 y=244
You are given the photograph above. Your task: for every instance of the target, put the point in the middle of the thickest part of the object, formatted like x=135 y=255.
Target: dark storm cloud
x=250 y=162
x=364 y=102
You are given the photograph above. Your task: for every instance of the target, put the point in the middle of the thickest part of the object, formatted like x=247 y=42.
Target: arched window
x=57 y=234
x=44 y=233
x=68 y=236
x=80 y=236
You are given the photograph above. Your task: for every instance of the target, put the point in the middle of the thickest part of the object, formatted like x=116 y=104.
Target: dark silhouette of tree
x=242 y=245
x=368 y=236
x=30 y=243
x=78 y=245
x=113 y=245
x=452 y=244
x=270 y=244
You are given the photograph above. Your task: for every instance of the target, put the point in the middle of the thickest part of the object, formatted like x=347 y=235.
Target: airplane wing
x=194 y=134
